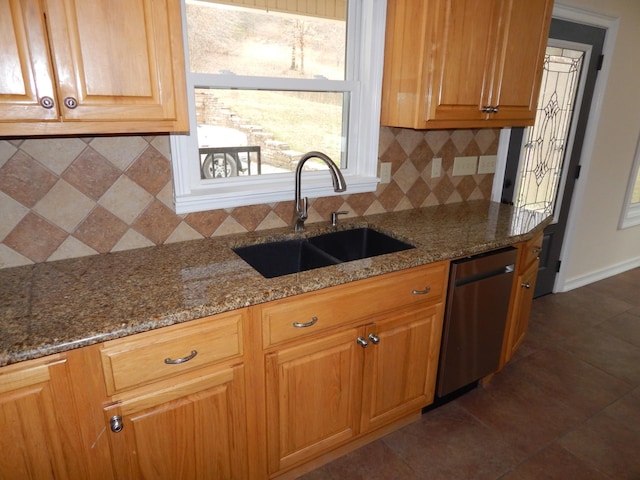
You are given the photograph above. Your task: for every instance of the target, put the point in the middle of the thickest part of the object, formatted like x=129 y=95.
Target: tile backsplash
x=71 y=197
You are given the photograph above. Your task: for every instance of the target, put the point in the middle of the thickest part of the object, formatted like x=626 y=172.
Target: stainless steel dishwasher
x=475 y=318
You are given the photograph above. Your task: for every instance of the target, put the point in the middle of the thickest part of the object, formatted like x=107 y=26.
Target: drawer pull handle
x=305 y=324
x=426 y=290
x=177 y=361
x=525 y=285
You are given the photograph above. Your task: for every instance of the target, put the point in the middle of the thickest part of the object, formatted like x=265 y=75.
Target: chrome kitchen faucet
x=300 y=207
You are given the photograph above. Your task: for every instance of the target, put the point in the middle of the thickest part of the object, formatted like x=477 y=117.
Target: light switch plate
x=465 y=166
x=436 y=167
x=486 y=164
x=385 y=172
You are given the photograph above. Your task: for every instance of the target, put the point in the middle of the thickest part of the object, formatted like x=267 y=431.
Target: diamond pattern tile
x=91 y=173
x=25 y=180
x=70 y=197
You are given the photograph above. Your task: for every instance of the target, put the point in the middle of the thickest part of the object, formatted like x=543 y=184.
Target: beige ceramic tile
x=126 y=199
x=166 y=195
x=486 y=137
x=64 y=206
x=10 y=258
x=71 y=248
x=6 y=151
x=183 y=232
x=228 y=227
x=54 y=153
x=162 y=144
x=461 y=139
x=131 y=240
x=406 y=176
x=436 y=139
x=409 y=139
x=12 y=213
x=272 y=220
x=120 y=151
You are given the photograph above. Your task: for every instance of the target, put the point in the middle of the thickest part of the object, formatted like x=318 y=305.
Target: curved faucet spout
x=300 y=204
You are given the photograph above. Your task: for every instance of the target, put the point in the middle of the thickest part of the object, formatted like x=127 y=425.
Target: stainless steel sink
x=279 y=258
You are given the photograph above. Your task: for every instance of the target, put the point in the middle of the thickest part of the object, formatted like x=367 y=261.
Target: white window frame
x=365 y=53
x=631 y=211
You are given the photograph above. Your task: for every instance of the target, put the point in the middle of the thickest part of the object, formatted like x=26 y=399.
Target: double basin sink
x=274 y=259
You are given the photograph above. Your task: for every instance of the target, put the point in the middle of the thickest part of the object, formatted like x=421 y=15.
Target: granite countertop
x=57 y=306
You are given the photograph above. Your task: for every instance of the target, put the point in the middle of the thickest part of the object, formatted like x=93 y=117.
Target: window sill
x=314 y=185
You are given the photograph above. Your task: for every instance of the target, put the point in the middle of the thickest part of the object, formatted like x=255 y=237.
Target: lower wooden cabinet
x=190 y=428
x=327 y=389
x=38 y=420
x=522 y=296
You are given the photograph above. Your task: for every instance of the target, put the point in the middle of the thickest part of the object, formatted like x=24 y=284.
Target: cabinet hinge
x=600 y=62
x=558 y=265
x=578 y=169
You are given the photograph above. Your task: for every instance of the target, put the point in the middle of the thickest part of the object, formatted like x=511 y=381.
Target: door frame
x=610 y=24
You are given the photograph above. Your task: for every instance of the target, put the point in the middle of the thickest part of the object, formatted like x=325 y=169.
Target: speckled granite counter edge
x=55 y=307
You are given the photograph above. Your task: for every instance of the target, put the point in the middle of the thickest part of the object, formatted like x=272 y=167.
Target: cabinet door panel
x=27 y=74
x=463 y=64
x=193 y=429
x=114 y=57
x=312 y=397
x=520 y=59
x=400 y=370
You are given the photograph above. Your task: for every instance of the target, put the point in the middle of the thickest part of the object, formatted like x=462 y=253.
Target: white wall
x=594 y=247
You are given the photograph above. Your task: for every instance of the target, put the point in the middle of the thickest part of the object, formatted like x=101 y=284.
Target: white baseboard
x=598 y=275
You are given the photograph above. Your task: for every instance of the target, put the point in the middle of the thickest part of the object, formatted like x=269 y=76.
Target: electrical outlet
x=465 y=166
x=486 y=164
x=436 y=167
x=385 y=172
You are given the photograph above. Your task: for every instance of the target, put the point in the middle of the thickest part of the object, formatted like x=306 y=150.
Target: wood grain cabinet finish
x=372 y=366
x=463 y=63
x=100 y=66
x=522 y=296
x=40 y=438
x=172 y=413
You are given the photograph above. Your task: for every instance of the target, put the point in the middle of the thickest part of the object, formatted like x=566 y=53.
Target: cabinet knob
x=70 y=102
x=362 y=342
x=525 y=285
x=374 y=338
x=116 y=423
x=46 y=102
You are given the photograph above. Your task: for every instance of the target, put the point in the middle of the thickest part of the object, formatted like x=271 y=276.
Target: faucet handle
x=334 y=217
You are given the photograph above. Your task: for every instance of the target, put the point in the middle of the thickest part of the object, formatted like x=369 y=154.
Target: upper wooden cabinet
x=463 y=63
x=104 y=66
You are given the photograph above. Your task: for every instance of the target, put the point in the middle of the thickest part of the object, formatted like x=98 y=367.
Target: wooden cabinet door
x=39 y=437
x=313 y=397
x=464 y=35
x=26 y=76
x=519 y=58
x=401 y=364
x=115 y=59
x=193 y=427
x=523 y=300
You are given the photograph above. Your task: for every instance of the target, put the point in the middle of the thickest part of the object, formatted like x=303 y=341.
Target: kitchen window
x=266 y=86
x=631 y=210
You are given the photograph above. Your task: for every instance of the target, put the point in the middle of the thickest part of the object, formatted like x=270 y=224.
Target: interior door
x=543 y=162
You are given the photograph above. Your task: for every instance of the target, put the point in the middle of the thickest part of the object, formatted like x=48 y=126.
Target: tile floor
x=567 y=407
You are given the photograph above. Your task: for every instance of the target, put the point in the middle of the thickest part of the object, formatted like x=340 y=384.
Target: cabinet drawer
x=148 y=357
x=315 y=311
